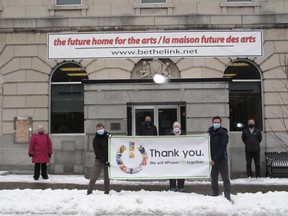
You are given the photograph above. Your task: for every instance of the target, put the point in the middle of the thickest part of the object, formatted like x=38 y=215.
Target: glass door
x=163 y=117
x=166 y=118
x=140 y=115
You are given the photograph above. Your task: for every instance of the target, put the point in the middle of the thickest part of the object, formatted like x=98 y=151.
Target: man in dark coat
x=219 y=160
x=252 y=137
x=100 y=146
x=148 y=129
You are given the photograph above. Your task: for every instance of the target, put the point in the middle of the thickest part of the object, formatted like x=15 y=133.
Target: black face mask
x=251 y=125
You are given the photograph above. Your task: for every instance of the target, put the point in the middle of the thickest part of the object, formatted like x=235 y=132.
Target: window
x=245 y=99
x=67 y=99
x=153 y=1
x=68 y=2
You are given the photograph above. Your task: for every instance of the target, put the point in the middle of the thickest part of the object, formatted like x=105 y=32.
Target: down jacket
x=40 y=148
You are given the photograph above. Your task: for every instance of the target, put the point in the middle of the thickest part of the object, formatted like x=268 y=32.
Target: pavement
x=200 y=189
x=162 y=185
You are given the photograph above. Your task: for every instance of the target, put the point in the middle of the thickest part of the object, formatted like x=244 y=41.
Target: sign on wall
x=159 y=157
x=155 y=44
x=22 y=129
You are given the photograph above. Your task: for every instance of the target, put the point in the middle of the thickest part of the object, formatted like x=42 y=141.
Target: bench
x=276 y=160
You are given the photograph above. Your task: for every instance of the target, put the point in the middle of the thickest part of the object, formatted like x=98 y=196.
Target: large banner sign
x=155 y=44
x=160 y=157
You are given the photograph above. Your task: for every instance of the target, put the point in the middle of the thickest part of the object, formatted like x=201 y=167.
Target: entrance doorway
x=163 y=117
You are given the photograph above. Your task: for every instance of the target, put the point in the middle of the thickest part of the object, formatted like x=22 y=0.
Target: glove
x=106 y=163
x=49 y=155
x=30 y=155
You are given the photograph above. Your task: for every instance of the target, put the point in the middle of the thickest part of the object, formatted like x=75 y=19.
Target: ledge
x=139 y=6
x=240 y=4
x=185 y=80
x=54 y=8
x=143 y=23
x=150 y=5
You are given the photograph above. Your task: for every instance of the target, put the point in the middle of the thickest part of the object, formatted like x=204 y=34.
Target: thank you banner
x=160 y=157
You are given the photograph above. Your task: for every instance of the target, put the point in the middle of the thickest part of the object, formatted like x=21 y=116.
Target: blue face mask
x=216 y=125
x=147 y=122
x=100 y=131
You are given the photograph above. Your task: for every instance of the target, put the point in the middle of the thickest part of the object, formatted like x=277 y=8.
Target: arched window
x=245 y=99
x=67 y=99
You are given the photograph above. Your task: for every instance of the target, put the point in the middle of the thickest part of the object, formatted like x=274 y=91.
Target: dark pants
x=95 y=175
x=180 y=183
x=249 y=157
x=222 y=168
x=43 y=167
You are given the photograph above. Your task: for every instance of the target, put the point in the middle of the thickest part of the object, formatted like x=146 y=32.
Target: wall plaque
x=22 y=129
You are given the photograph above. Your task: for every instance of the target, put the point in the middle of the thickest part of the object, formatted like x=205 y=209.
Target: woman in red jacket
x=40 y=150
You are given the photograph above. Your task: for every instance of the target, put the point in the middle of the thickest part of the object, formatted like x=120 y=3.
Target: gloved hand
x=106 y=163
x=30 y=155
x=49 y=155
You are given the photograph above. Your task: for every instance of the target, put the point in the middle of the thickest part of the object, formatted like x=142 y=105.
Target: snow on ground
x=76 y=202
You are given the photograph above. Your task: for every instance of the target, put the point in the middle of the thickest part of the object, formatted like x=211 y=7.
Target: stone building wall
x=99 y=8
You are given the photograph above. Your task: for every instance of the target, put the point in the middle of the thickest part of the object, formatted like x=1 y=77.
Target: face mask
x=251 y=125
x=176 y=130
x=147 y=122
x=41 y=131
x=100 y=131
x=216 y=125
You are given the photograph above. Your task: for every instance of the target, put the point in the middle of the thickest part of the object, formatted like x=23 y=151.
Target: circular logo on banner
x=131 y=159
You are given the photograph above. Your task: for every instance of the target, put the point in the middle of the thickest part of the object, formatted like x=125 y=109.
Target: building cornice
x=143 y=23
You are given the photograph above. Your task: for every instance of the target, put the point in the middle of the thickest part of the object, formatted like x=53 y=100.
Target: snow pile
x=76 y=202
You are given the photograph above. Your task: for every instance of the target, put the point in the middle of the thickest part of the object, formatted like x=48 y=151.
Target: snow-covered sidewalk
x=81 y=180
x=76 y=202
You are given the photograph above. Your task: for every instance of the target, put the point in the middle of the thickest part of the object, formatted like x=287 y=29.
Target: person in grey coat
x=252 y=138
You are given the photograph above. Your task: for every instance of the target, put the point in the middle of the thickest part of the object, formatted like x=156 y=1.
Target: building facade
x=37 y=90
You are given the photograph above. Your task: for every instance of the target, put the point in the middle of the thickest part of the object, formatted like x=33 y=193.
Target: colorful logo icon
x=131 y=159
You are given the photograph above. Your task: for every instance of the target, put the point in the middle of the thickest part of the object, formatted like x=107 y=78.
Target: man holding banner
x=100 y=147
x=219 y=159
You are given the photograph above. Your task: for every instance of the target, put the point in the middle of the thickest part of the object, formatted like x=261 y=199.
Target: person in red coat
x=40 y=149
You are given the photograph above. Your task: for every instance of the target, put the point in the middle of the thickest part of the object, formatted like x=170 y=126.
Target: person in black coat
x=219 y=159
x=176 y=131
x=148 y=129
x=100 y=146
x=252 y=138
